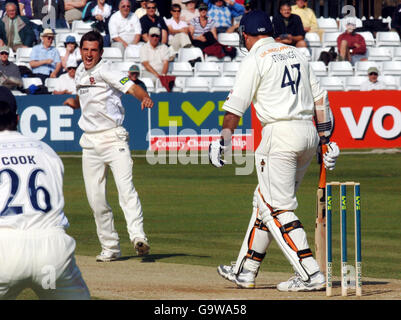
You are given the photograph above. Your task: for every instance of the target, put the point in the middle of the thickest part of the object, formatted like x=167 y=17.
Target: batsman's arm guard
x=324 y=118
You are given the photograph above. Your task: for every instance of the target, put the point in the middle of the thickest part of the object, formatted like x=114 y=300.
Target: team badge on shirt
x=124 y=80
x=92 y=80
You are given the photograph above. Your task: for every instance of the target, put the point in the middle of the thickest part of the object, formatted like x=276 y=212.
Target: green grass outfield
x=197 y=214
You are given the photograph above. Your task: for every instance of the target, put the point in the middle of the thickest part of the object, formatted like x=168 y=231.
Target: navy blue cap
x=256 y=22
x=7 y=97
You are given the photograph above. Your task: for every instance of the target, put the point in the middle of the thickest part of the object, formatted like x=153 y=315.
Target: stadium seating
x=332 y=83
x=327 y=24
x=361 y=67
x=183 y=68
x=81 y=27
x=188 y=54
x=306 y=53
x=122 y=66
x=228 y=39
x=379 y=54
x=221 y=84
x=50 y=83
x=230 y=69
x=369 y=39
x=196 y=84
x=340 y=68
x=330 y=39
x=26 y=82
x=149 y=83
x=313 y=39
x=112 y=54
x=207 y=69
x=391 y=68
x=319 y=68
x=354 y=83
x=23 y=55
x=132 y=53
x=392 y=83
x=389 y=38
x=397 y=54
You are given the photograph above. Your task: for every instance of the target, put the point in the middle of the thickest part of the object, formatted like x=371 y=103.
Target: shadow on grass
x=155 y=257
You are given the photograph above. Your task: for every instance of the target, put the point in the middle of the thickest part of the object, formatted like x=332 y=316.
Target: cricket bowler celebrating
x=35 y=250
x=105 y=145
x=286 y=95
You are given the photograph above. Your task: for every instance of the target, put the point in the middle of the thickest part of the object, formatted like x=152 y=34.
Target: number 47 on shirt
x=288 y=81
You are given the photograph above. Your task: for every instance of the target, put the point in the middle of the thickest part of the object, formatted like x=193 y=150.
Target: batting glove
x=330 y=157
x=216 y=149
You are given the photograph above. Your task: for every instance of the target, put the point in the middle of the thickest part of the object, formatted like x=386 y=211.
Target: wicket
x=343 y=233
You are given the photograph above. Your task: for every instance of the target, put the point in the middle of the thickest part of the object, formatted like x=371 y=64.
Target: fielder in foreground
x=105 y=145
x=279 y=81
x=35 y=251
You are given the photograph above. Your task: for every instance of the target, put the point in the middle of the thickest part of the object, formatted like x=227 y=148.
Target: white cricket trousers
x=282 y=159
x=103 y=150
x=42 y=260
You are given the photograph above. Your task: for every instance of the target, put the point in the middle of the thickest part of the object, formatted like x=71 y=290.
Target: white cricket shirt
x=124 y=27
x=99 y=90
x=369 y=85
x=278 y=80
x=31 y=184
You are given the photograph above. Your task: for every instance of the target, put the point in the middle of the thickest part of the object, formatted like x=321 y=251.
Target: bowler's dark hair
x=92 y=36
x=8 y=117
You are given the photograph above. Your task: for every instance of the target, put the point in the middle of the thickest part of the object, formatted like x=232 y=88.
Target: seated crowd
x=147 y=26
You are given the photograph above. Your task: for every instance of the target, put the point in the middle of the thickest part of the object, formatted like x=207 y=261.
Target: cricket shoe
x=141 y=246
x=316 y=282
x=107 y=256
x=246 y=279
x=227 y=272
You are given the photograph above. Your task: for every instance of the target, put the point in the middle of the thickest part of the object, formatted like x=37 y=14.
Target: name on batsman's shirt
x=279 y=81
x=99 y=90
x=31 y=184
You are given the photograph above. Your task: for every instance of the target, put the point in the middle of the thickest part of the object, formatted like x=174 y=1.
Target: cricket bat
x=320 y=226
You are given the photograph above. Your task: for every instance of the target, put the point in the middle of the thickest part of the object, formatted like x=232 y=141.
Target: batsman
x=287 y=97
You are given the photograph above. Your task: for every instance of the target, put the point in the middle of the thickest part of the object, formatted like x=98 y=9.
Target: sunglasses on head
x=154 y=35
x=151 y=8
x=4 y=52
x=373 y=74
x=203 y=9
x=70 y=68
x=175 y=10
x=127 y=6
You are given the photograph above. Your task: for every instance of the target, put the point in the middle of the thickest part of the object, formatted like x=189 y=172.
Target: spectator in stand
x=99 y=12
x=203 y=29
x=288 y=27
x=15 y=31
x=307 y=16
x=124 y=27
x=10 y=76
x=372 y=83
x=65 y=83
x=223 y=13
x=59 y=6
x=25 y=8
x=178 y=30
x=396 y=20
x=189 y=11
x=45 y=59
x=141 y=11
x=248 y=5
x=72 y=53
x=351 y=45
x=3 y=6
x=133 y=75
x=73 y=10
x=151 y=20
x=154 y=55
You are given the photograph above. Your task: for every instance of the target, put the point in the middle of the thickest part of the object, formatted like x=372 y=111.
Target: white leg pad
x=296 y=241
